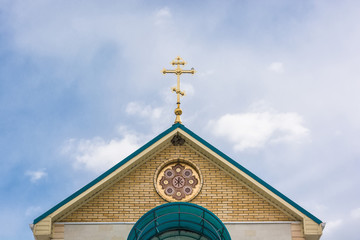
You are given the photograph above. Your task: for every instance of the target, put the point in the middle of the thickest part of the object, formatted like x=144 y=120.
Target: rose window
x=178 y=181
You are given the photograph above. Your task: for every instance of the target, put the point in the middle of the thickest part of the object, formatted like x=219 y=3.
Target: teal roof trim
x=259 y=180
x=105 y=174
x=192 y=134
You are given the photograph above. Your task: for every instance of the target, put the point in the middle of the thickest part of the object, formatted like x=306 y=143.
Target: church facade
x=177 y=186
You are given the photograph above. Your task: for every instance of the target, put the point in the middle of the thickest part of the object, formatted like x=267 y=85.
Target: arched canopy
x=170 y=220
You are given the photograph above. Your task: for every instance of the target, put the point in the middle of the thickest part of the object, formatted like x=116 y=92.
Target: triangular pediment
x=129 y=185
x=133 y=195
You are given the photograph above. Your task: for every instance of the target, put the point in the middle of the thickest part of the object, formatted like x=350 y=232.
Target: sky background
x=276 y=89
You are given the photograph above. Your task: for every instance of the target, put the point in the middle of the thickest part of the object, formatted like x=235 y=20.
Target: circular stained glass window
x=178 y=180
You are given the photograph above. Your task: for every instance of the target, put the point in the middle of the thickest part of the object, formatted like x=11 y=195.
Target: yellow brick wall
x=134 y=195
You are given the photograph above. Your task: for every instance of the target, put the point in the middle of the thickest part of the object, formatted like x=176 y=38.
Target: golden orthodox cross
x=178 y=71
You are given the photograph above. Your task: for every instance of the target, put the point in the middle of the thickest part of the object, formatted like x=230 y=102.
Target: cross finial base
x=178 y=113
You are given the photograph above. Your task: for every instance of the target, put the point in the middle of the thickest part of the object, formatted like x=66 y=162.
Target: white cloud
x=332 y=226
x=257 y=129
x=277 y=67
x=36 y=175
x=162 y=16
x=98 y=155
x=188 y=88
x=157 y=118
x=32 y=210
x=355 y=213
x=205 y=73
x=163 y=12
x=145 y=111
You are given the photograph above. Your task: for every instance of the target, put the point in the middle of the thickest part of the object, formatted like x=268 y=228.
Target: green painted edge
x=208 y=145
x=180 y=203
x=102 y=176
x=256 y=178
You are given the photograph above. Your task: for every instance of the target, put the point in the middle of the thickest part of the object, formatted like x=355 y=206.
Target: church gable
x=127 y=191
x=134 y=194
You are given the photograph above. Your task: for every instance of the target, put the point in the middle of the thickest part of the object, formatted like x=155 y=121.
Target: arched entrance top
x=174 y=219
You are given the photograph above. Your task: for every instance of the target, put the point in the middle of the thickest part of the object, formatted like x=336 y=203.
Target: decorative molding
x=177 y=140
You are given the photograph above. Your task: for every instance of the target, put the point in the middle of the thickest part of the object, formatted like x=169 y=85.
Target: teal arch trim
x=179 y=219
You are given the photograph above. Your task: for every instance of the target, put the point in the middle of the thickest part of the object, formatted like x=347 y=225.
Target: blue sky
x=276 y=88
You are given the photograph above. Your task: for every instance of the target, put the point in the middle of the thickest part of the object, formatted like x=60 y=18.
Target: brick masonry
x=134 y=195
